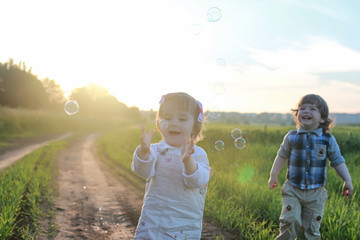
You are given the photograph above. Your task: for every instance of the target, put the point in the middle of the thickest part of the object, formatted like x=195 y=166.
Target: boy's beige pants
x=301 y=210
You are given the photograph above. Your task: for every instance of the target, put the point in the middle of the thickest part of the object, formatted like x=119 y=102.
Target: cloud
x=319 y=55
x=280 y=78
x=328 y=8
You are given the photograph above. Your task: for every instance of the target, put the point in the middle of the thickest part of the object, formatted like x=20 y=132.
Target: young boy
x=306 y=151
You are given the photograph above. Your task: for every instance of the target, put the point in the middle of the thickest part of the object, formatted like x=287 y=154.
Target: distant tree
x=55 y=93
x=109 y=106
x=133 y=113
x=83 y=97
x=95 y=100
x=20 y=88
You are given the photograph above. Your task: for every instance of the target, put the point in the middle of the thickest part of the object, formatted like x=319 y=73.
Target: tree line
x=20 y=88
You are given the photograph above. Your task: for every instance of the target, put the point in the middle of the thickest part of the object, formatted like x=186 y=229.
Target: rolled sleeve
x=285 y=149
x=334 y=153
x=144 y=168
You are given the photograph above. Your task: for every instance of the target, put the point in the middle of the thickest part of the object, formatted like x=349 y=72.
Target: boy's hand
x=145 y=141
x=347 y=189
x=273 y=182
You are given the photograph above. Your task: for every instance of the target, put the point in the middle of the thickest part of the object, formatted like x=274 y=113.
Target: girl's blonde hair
x=187 y=103
x=321 y=105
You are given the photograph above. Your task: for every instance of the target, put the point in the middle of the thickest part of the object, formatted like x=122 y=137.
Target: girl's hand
x=145 y=141
x=347 y=189
x=187 y=148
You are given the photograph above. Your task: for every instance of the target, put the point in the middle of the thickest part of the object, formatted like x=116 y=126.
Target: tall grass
x=238 y=198
x=25 y=187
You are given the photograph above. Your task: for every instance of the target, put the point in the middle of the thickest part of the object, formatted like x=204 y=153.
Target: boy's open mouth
x=174 y=132
x=307 y=117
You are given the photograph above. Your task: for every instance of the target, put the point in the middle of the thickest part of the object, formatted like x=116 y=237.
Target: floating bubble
x=221 y=62
x=196 y=29
x=219 y=88
x=71 y=107
x=213 y=112
x=219 y=145
x=214 y=115
x=240 y=143
x=213 y=14
x=163 y=124
x=236 y=133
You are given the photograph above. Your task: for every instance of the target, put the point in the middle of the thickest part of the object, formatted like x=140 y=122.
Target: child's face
x=309 y=116
x=180 y=125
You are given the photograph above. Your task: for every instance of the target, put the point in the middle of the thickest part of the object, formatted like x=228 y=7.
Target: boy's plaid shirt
x=308 y=153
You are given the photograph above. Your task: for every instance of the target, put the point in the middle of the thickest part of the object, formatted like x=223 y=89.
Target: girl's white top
x=174 y=201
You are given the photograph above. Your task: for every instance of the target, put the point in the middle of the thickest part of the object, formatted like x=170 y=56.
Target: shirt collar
x=164 y=145
x=318 y=131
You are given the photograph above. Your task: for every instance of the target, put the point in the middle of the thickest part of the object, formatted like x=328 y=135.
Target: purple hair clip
x=201 y=114
x=162 y=100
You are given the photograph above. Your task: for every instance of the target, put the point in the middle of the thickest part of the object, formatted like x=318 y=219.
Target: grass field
x=18 y=124
x=238 y=197
x=26 y=193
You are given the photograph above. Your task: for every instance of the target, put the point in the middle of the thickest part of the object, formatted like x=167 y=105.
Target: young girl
x=306 y=151
x=177 y=172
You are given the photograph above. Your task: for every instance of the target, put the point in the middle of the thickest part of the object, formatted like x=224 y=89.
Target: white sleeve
x=201 y=176
x=144 y=168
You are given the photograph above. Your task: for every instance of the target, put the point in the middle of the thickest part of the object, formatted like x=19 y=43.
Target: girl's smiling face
x=180 y=124
x=309 y=116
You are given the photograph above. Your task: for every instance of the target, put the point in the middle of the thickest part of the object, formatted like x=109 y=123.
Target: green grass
x=17 y=124
x=26 y=187
x=238 y=197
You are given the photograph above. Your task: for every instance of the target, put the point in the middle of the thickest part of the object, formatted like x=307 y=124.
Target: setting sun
x=140 y=50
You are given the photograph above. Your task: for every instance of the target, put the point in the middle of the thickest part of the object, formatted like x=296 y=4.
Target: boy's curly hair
x=321 y=105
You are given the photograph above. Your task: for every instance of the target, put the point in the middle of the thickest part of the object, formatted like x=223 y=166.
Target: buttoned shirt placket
x=308 y=159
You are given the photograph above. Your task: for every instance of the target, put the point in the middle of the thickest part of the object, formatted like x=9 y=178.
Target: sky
x=232 y=55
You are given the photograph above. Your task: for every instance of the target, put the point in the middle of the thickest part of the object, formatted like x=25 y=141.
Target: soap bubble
x=195 y=29
x=219 y=145
x=214 y=115
x=213 y=14
x=213 y=112
x=236 y=133
x=221 y=62
x=71 y=107
x=240 y=143
x=163 y=124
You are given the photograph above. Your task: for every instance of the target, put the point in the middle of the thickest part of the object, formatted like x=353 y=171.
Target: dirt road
x=92 y=203
x=10 y=157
